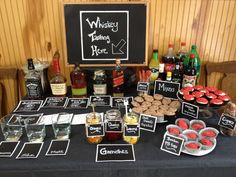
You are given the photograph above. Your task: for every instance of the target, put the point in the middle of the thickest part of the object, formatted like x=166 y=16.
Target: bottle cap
x=118 y=61
x=192 y=55
x=169 y=74
x=30 y=64
x=183 y=44
x=155 y=50
x=171 y=46
x=194 y=46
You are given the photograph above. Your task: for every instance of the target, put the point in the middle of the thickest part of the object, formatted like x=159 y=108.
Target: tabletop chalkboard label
x=113 y=126
x=190 y=110
x=143 y=86
x=95 y=129
x=55 y=102
x=115 y=153
x=100 y=100
x=119 y=101
x=77 y=103
x=227 y=121
x=167 y=89
x=28 y=105
x=131 y=130
x=98 y=34
x=172 y=144
x=147 y=122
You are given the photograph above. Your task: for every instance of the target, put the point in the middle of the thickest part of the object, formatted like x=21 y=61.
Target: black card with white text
x=30 y=151
x=55 y=102
x=8 y=148
x=77 y=103
x=28 y=105
x=58 y=147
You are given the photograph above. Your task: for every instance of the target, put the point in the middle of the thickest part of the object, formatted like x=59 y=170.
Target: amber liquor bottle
x=33 y=82
x=118 y=80
x=78 y=82
x=58 y=81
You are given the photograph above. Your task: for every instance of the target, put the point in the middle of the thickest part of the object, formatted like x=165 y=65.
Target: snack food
x=192 y=146
x=209 y=132
x=182 y=123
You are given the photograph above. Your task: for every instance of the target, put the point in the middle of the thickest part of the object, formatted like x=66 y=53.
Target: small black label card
x=114 y=126
x=28 y=105
x=77 y=103
x=143 y=86
x=131 y=130
x=58 y=147
x=172 y=144
x=119 y=101
x=95 y=129
x=55 y=102
x=147 y=122
x=100 y=100
x=30 y=151
x=167 y=89
x=33 y=118
x=8 y=148
x=227 y=121
x=190 y=110
x=115 y=153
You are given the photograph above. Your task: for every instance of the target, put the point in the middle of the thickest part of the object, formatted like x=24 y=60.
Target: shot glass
x=12 y=131
x=35 y=132
x=62 y=125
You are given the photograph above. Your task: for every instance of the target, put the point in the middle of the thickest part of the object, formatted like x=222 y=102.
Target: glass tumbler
x=35 y=132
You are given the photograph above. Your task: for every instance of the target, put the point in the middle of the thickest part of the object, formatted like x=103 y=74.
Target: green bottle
x=197 y=62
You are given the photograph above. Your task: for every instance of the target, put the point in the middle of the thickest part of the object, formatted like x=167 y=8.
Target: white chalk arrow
x=116 y=49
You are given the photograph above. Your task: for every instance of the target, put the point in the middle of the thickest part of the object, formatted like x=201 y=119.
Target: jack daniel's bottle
x=33 y=82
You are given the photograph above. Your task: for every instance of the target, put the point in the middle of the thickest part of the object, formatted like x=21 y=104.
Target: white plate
x=201 y=152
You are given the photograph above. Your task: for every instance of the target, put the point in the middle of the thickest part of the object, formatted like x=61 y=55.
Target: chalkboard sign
x=147 y=122
x=131 y=130
x=172 y=144
x=143 y=86
x=95 y=130
x=97 y=34
x=190 y=110
x=167 y=89
x=227 y=121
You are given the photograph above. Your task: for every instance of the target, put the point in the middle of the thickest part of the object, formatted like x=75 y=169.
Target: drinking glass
x=11 y=131
x=62 y=125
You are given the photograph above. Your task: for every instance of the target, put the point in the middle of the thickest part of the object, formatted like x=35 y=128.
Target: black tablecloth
x=150 y=160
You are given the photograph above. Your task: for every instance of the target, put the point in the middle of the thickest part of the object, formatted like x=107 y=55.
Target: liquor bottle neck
x=56 y=66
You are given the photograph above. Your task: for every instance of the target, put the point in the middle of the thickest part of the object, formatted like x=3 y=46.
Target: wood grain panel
x=35 y=29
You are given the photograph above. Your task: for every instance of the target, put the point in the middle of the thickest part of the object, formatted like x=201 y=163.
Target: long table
x=150 y=160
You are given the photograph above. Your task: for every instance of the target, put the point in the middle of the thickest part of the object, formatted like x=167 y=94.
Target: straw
x=126 y=106
x=93 y=108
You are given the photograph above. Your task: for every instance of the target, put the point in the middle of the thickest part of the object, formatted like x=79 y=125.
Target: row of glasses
x=36 y=132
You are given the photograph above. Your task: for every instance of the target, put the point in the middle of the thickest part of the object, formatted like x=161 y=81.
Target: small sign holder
x=190 y=110
x=227 y=121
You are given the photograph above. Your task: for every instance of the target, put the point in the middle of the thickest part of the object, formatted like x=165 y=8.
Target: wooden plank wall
x=34 y=28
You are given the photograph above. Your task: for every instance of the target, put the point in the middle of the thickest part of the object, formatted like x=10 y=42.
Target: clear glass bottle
x=100 y=83
x=58 y=81
x=118 y=80
x=113 y=118
x=33 y=82
x=78 y=82
x=169 y=59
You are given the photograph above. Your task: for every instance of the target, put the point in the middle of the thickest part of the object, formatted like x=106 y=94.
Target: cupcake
x=211 y=89
x=197 y=125
x=202 y=102
x=206 y=143
x=192 y=146
x=211 y=96
x=192 y=135
x=198 y=87
x=182 y=123
x=204 y=91
x=189 y=98
x=209 y=132
x=224 y=98
x=190 y=89
x=173 y=130
x=197 y=94
x=219 y=93
x=216 y=102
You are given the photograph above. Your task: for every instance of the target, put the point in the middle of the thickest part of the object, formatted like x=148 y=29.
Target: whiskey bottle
x=58 y=81
x=100 y=82
x=33 y=82
x=118 y=80
x=78 y=82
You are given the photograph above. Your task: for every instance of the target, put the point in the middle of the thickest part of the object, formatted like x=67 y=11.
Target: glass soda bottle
x=197 y=62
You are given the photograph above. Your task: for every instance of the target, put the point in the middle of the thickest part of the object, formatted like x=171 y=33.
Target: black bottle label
x=34 y=88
